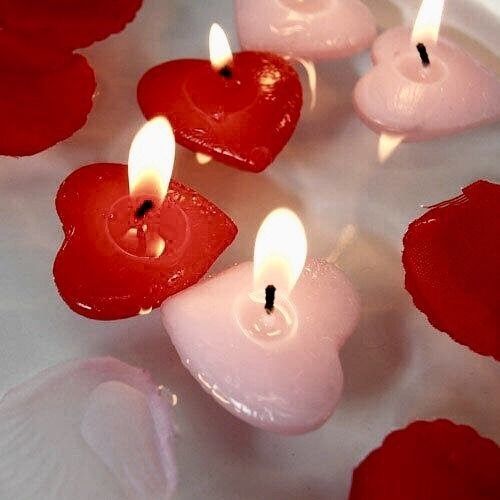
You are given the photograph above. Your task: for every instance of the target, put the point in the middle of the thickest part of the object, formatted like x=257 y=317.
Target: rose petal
x=73 y=24
x=452 y=270
x=45 y=95
x=86 y=429
x=430 y=461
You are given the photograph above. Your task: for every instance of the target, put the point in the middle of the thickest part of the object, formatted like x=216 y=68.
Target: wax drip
x=226 y=72
x=270 y=297
x=422 y=50
x=145 y=207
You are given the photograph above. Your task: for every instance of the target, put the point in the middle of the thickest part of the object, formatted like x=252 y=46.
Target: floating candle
x=421 y=88
x=450 y=258
x=263 y=339
x=311 y=29
x=240 y=110
x=131 y=242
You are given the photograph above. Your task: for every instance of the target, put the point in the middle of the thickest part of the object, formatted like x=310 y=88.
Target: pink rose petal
x=86 y=429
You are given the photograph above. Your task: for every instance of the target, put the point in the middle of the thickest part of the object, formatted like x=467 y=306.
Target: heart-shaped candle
x=311 y=29
x=240 y=111
x=421 y=88
x=45 y=95
x=129 y=243
x=263 y=348
x=66 y=24
x=451 y=262
x=436 y=460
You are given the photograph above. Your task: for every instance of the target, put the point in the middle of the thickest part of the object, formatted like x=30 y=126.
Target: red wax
x=45 y=95
x=102 y=270
x=67 y=23
x=243 y=119
x=430 y=461
x=453 y=270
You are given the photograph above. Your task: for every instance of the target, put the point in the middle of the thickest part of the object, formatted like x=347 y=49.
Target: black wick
x=226 y=72
x=270 y=297
x=422 y=50
x=145 y=207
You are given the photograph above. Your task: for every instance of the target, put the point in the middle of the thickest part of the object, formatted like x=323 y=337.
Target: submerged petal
x=86 y=429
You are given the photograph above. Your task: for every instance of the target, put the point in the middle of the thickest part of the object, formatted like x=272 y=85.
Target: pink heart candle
x=265 y=349
x=421 y=88
x=310 y=29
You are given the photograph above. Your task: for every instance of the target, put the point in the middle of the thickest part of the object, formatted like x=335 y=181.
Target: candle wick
x=424 y=56
x=226 y=72
x=270 y=297
x=145 y=207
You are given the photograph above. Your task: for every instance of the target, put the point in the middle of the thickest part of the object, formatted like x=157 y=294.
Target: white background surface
x=397 y=367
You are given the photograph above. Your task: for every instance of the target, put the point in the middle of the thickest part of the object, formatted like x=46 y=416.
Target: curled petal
x=86 y=429
x=67 y=24
x=450 y=258
x=433 y=461
x=45 y=95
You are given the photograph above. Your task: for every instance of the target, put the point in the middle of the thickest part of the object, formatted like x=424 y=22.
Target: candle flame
x=151 y=159
x=280 y=252
x=428 y=22
x=220 y=50
x=387 y=144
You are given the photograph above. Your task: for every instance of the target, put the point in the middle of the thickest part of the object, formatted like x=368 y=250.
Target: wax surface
x=430 y=461
x=96 y=278
x=452 y=268
x=45 y=95
x=288 y=385
x=94 y=428
x=399 y=96
x=311 y=29
x=69 y=25
x=243 y=120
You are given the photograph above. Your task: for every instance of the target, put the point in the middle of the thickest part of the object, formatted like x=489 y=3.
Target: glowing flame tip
x=280 y=251
x=428 y=22
x=220 y=50
x=151 y=159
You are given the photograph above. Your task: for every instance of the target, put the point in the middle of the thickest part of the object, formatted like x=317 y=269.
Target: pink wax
x=310 y=29
x=280 y=371
x=401 y=96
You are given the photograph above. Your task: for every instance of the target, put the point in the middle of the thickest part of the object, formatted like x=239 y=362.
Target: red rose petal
x=45 y=95
x=430 y=461
x=68 y=24
x=451 y=259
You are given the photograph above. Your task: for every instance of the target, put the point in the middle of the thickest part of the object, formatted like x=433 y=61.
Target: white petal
x=86 y=429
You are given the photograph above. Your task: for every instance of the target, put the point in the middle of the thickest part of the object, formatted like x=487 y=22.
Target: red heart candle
x=240 y=111
x=129 y=243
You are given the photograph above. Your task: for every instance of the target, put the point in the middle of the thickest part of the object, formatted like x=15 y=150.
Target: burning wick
x=423 y=54
x=145 y=207
x=270 y=297
x=226 y=72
